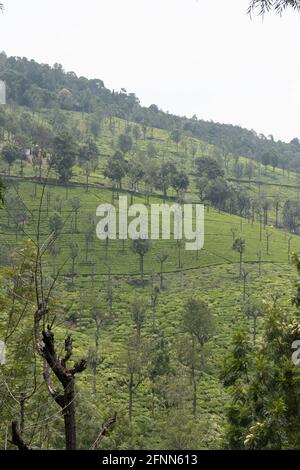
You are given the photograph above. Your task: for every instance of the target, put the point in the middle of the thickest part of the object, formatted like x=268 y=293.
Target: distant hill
x=39 y=86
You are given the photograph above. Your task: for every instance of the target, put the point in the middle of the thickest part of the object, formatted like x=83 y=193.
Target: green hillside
x=213 y=276
x=40 y=86
x=143 y=363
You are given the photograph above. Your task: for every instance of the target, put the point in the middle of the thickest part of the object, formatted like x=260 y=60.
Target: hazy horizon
x=169 y=53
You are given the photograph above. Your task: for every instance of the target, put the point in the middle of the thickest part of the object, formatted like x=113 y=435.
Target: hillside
x=68 y=145
x=39 y=86
x=109 y=284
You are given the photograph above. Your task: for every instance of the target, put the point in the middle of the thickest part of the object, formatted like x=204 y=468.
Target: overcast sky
x=189 y=57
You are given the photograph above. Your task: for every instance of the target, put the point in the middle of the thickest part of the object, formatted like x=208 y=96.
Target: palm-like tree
x=141 y=247
x=239 y=245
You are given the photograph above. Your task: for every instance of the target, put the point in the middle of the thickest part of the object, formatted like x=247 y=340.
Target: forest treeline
x=39 y=86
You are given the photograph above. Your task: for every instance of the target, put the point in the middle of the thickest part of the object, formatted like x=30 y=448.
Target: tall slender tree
x=141 y=247
x=239 y=245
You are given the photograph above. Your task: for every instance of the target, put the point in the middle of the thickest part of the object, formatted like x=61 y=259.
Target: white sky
x=189 y=57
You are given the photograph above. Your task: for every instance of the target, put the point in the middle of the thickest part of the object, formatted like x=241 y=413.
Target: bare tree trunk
x=66 y=376
x=194 y=391
x=254 y=329
x=142 y=268
x=260 y=227
x=17 y=439
x=70 y=415
x=161 y=276
x=22 y=413
x=241 y=265
x=130 y=402
x=73 y=271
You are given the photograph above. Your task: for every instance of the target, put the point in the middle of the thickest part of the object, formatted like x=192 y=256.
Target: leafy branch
x=279 y=6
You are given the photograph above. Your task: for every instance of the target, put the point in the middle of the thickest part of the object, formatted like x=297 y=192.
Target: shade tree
x=11 y=152
x=74 y=252
x=116 y=169
x=65 y=152
x=138 y=315
x=162 y=259
x=239 y=245
x=56 y=224
x=180 y=182
x=165 y=174
x=209 y=167
x=176 y=137
x=125 y=143
x=199 y=325
x=75 y=206
x=141 y=247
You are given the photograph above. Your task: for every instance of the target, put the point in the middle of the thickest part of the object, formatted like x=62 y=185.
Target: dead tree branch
x=105 y=429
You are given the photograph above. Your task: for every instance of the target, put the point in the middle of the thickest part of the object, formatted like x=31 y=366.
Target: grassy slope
x=213 y=276
x=218 y=235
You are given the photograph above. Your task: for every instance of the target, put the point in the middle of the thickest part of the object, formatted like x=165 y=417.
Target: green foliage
x=239 y=245
x=176 y=136
x=180 y=181
x=291 y=215
x=125 y=143
x=198 y=321
x=41 y=86
x=56 y=223
x=141 y=247
x=64 y=156
x=11 y=152
x=154 y=354
x=209 y=167
x=116 y=168
x=165 y=175
x=264 y=387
